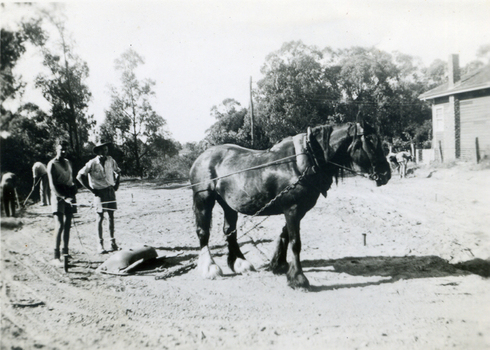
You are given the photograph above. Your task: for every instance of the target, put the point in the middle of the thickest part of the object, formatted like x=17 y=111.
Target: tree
x=131 y=119
x=296 y=91
x=483 y=53
x=435 y=74
x=231 y=125
x=13 y=47
x=27 y=134
x=65 y=87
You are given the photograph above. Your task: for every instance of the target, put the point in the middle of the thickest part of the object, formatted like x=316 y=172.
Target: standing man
x=101 y=177
x=9 y=193
x=40 y=174
x=63 y=200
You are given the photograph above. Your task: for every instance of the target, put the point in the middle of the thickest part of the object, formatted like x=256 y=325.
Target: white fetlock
x=206 y=265
x=243 y=266
x=56 y=262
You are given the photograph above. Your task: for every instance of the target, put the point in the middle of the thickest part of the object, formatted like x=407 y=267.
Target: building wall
x=444 y=135
x=475 y=122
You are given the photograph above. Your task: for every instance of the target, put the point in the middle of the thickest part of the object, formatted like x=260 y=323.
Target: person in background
x=101 y=177
x=402 y=159
x=63 y=198
x=391 y=158
x=9 y=193
x=40 y=175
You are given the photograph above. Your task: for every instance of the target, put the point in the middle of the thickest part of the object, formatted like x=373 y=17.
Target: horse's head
x=366 y=153
x=353 y=147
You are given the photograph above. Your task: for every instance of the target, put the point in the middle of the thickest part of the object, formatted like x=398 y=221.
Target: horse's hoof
x=242 y=266
x=212 y=272
x=207 y=266
x=299 y=282
x=279 y=269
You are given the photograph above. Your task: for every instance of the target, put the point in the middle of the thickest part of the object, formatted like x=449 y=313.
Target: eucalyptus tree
x=381 y=88
x=26 y=132
x=231 y=124
x=131 y=119
x=64 y=86
x=13 y=43
x=296 y=90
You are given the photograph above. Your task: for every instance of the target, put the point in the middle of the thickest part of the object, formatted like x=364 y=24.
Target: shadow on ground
x=397 y=268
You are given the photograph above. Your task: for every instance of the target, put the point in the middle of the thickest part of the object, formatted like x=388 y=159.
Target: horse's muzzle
x=381 y=178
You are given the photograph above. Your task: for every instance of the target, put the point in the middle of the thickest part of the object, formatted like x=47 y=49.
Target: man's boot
x=114 y=246
x=101 y=249
x=64 y=252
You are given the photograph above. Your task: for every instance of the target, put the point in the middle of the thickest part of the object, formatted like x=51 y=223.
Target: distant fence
x=425 y=156
x=439 y=154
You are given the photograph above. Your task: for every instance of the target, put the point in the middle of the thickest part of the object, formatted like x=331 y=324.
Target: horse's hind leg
x=236 y=259
x=203 y=208
x=279 y=264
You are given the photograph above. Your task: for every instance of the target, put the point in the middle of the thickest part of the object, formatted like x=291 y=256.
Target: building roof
x=477 y=80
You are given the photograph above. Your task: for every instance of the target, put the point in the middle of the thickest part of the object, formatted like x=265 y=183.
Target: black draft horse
x=285 y=179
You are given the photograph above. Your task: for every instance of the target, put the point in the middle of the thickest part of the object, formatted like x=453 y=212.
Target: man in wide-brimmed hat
x=101 y=176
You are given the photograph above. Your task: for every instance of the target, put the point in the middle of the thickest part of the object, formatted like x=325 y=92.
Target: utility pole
x=252 y=122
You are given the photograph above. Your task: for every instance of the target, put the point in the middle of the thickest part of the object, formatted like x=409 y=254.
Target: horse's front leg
x=203 y=207
x=279 y=264
x=295 y=276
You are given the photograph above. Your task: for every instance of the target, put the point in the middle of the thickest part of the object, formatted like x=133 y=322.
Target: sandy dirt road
x=408 y=287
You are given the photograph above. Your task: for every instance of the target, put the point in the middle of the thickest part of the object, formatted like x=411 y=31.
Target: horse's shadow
x=392 y=269
x=388 y=269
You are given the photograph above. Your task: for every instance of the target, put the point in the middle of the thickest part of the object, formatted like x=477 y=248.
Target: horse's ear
x=360 y=121
x=308 y=134
x=323 y=138
x=360 y=128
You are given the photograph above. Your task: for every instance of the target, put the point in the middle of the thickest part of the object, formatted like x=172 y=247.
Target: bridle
x=315 y=152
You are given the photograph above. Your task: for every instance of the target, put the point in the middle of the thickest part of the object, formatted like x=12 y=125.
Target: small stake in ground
x=364 y=238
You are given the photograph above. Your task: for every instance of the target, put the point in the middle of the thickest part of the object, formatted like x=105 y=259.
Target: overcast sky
x=201 y=52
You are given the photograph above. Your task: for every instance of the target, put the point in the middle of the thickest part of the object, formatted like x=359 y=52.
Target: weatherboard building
x=461 y=115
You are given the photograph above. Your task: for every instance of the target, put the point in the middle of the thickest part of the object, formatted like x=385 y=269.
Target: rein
x=367 y=176
x=240 y=171
x=309 y=152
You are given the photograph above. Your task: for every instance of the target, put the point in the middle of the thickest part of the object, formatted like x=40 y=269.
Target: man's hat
x=99 y=145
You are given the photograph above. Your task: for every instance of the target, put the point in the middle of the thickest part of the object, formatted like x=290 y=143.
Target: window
x=439 y=119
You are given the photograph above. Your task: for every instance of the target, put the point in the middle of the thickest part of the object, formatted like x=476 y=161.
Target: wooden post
x=252 y=122
x=440 y=151
x=477 y=147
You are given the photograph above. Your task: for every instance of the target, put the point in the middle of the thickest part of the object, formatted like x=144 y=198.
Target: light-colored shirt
x=8 y=180
x=99 y=176
x=39 y=169
x=402 y=156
